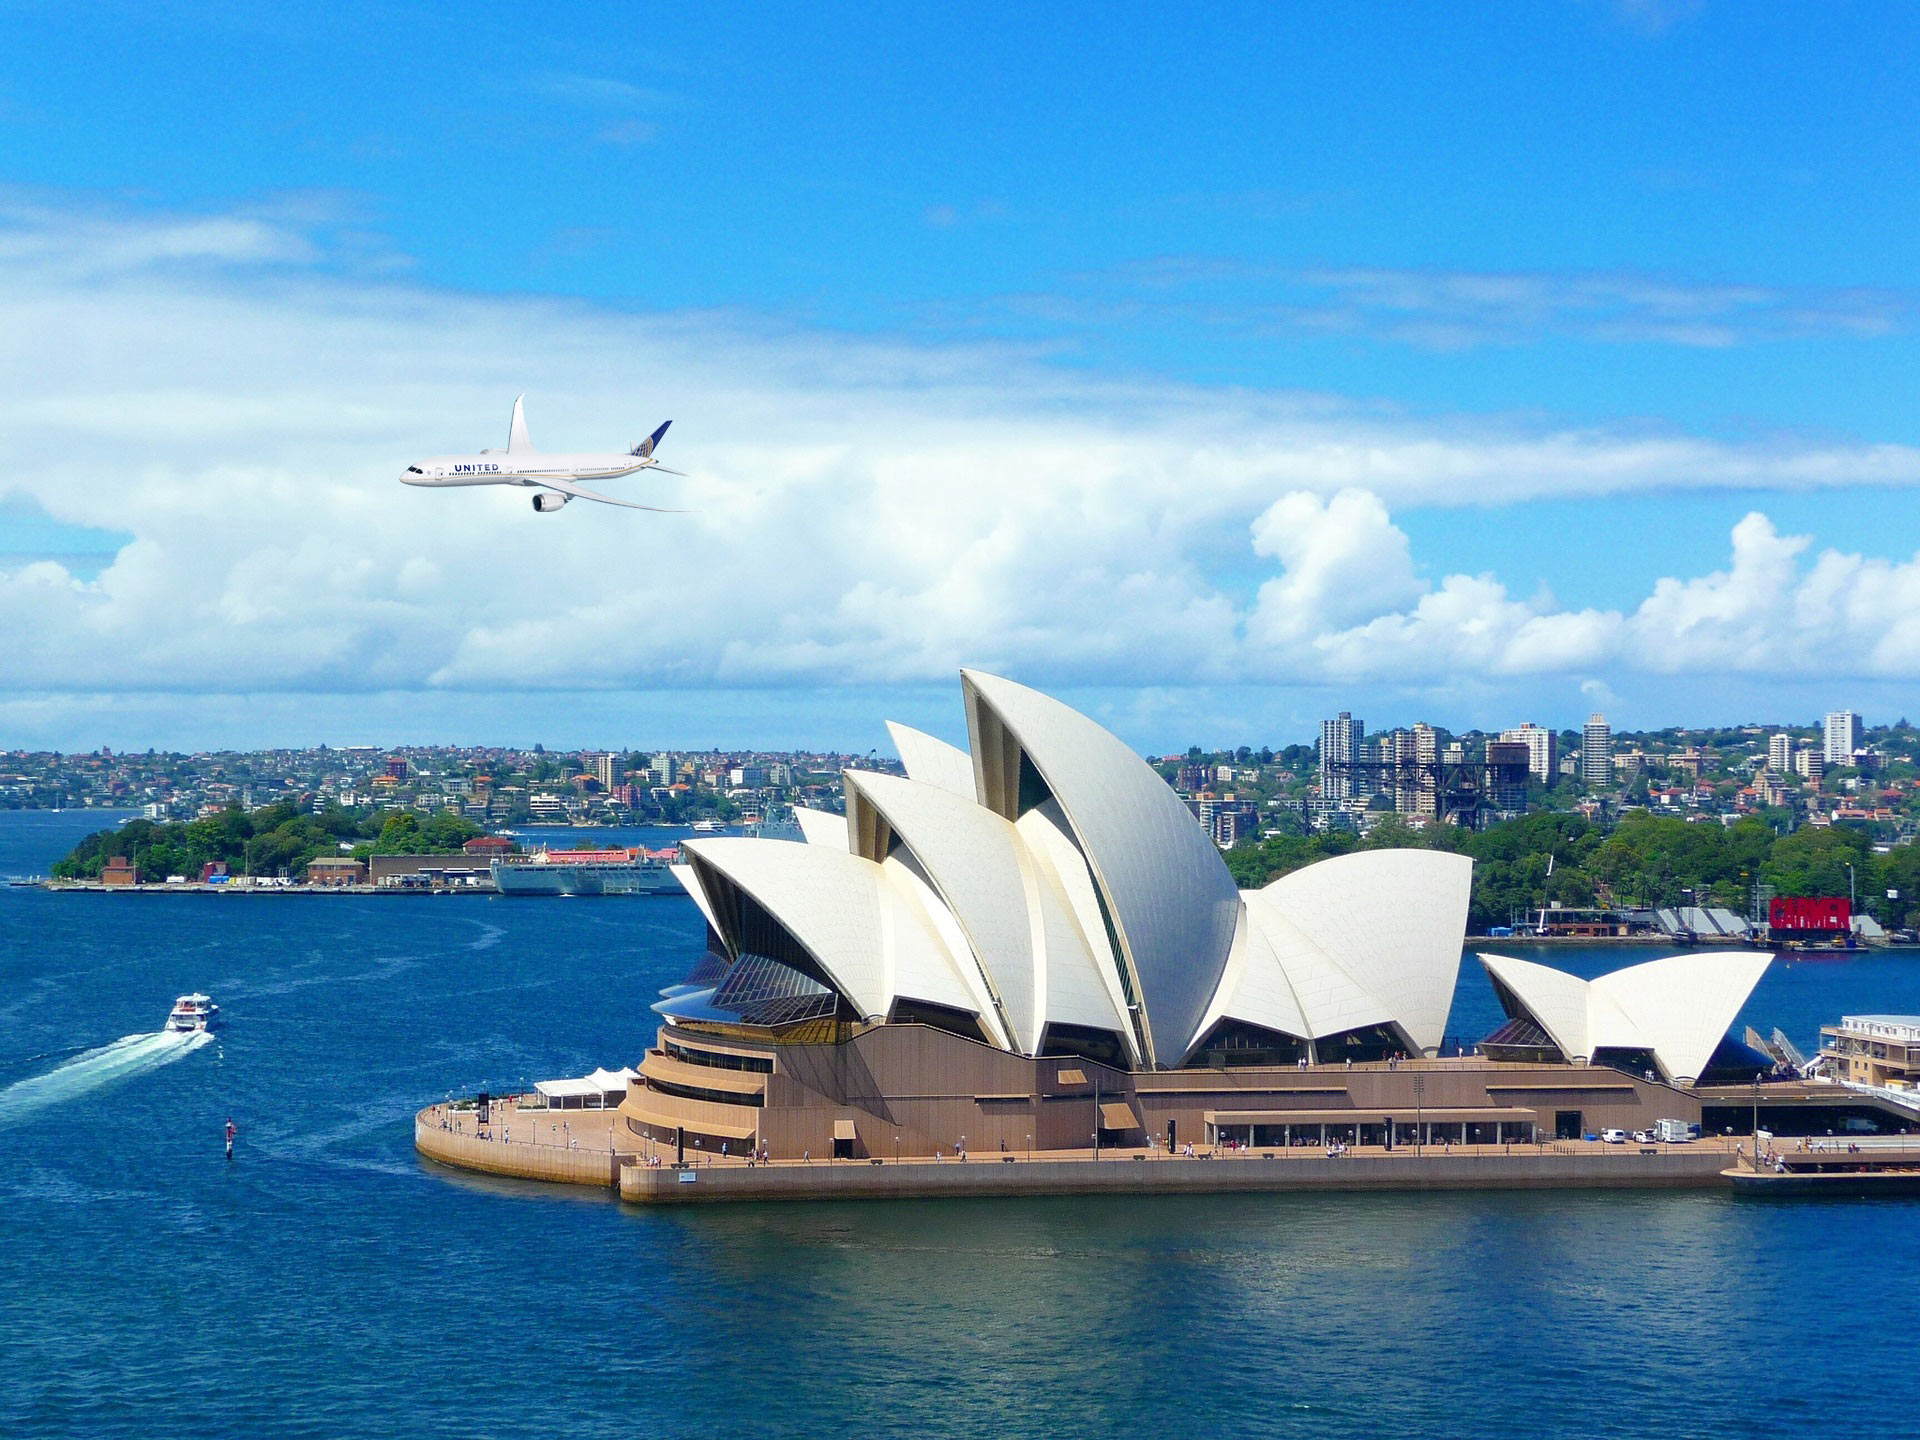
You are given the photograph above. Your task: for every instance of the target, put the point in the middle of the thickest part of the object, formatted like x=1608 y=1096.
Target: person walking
x=231 y=1133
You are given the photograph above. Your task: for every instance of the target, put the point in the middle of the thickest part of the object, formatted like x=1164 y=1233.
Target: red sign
x=1824 y=914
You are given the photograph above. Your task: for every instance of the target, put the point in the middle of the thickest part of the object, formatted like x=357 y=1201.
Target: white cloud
x=1765 y=614
x=1460 y=309
x=863 y=511
x=1341 y=560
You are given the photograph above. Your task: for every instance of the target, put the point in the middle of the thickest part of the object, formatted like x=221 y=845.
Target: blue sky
x=1634 y=270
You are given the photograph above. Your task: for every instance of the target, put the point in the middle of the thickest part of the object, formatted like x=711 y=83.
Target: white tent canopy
x=602 y=1087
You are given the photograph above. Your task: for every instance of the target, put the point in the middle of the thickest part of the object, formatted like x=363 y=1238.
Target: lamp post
x=1419 y=1115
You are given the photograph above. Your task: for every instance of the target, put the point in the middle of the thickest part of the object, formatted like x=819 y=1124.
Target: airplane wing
x=581 y=492
x=664 y=471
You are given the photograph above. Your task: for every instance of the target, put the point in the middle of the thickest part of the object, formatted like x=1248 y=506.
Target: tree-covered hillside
x=1644 y=860
x=273 y=840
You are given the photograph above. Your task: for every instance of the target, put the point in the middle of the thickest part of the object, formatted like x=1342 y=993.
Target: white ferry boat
x=193 y=1012
x=586 y=872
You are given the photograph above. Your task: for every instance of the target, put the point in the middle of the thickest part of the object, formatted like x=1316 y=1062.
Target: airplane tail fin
x=645 y=448
x=518 y=441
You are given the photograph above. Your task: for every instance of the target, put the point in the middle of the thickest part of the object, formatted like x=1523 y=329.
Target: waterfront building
x=1596 y=753
x=1881 y=1050
x=1033 y=945
x=333 y=871
x=1843 y=737
x=1340 y=742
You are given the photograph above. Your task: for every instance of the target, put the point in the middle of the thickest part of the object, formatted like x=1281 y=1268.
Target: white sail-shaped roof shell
x=1326 y=1000
x=821 y=827
x=1360 y=940
x=1557 y=1001
x=1254 y=987
x=1018 y=924
x=1391 y=921
x=864 y=930
x=691 y=884
x=1081 y=982
x=925 y=948
x=1053 y=879
x=933 y=761
x=1679 y=1007
x=1172 y=903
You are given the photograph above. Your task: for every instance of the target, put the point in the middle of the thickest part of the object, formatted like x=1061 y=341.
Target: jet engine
x=546 y=502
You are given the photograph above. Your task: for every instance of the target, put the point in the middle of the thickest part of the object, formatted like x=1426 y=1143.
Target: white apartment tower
x=609 y=770
x=1843 y=737
x=1780 y=754
x=1340 y=740
x=1426 y=789
x=1596 y=752
x=1543 y=750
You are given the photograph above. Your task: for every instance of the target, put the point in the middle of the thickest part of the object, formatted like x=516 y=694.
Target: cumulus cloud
x=1341 y=560
x=1766 y=613
x=861 y=511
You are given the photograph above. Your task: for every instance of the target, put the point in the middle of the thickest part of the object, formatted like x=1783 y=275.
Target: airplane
x=556 y=477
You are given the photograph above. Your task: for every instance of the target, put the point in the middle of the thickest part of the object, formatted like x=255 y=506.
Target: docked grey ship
x=586 y=872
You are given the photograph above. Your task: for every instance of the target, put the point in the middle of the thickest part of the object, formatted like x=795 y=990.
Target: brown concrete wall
x=528 y=1162
x=911 y=1090
x=1700 y=1166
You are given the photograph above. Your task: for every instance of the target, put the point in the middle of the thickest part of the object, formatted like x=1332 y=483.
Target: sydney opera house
x=1032 y=945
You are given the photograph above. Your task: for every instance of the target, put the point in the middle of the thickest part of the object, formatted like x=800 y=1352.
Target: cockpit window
x=415 y=470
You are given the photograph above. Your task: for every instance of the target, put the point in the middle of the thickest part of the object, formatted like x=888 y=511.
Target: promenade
x=592 y=1147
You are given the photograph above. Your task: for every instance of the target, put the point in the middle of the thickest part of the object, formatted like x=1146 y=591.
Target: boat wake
x=126 y=1057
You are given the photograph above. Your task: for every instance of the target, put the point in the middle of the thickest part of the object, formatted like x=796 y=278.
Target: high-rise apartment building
x=1780 y=754
x=1543 y=750
x=663 y=768
x=1596 y=753
x=1426 y=780
x=1340 y=741
x=1843 y=737
x=609 y=770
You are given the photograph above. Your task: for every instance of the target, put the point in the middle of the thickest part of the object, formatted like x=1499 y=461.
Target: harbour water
x=327 y=1282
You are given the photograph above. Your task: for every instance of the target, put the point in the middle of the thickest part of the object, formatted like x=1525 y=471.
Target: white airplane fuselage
x=499 y=468
x=558 y=477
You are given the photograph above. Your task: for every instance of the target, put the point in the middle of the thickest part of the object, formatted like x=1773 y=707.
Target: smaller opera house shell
x=1031 y=945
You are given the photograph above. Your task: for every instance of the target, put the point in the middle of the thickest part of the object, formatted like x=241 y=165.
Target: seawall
x=557 y=1163
x=1561 y=1165
x=863 y=1180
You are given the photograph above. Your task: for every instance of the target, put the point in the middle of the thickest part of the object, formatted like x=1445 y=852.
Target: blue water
x=328 y=1283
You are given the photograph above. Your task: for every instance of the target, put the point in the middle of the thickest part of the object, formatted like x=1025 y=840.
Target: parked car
x=1614 y=1137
